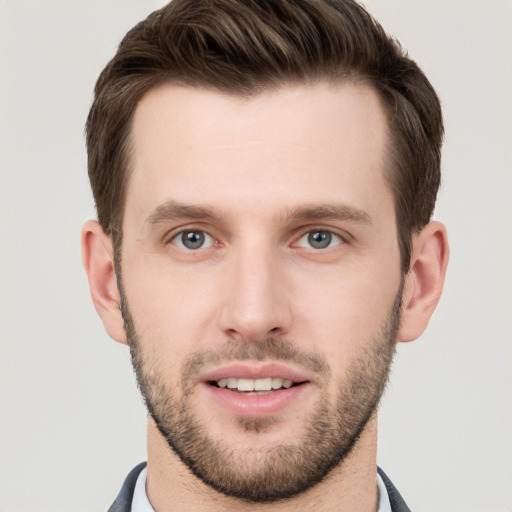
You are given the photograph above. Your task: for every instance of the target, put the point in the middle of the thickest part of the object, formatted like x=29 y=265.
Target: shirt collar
x=384 y=503
x=140 y=502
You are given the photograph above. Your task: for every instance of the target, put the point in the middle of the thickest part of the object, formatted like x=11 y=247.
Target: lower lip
x=256 y=405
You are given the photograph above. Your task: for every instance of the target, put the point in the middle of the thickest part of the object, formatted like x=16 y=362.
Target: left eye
x=319 y=240
x=192 y=240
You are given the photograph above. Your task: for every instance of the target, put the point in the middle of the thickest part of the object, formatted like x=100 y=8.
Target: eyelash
x=330 y=236
x=326 y=234
x=179 y=236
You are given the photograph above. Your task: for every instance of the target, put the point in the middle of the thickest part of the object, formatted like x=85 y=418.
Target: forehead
x=295 y=143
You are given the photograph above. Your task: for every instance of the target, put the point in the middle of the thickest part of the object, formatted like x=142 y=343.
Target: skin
x=266 y=167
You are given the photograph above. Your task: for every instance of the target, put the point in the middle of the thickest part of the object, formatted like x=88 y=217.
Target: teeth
x=265 y=384
x=277 y=383
x=245 y=385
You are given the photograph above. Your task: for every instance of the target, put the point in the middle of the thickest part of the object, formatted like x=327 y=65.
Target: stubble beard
x=278 y=471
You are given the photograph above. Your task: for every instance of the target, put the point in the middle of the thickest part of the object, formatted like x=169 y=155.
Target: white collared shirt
x=384 y=503
x=140 y=502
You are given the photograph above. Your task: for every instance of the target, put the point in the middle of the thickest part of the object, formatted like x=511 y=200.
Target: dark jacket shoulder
x=397 y=502
x=123 y=502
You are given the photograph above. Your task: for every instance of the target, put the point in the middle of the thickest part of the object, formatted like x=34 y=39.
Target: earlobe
x=98 y=261
x=424 y=281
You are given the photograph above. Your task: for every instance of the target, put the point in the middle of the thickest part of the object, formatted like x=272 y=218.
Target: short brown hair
x=242 y=47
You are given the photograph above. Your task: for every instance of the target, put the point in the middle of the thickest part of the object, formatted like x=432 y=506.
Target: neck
x=351 y=486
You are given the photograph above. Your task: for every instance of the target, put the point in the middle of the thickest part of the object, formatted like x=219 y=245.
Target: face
x=260 y=279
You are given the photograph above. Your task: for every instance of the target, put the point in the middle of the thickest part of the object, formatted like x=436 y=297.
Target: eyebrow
x=174 y=210
x=330 y=211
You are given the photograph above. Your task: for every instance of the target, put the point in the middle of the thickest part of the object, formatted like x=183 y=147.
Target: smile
x=255 y=390
x=254 y=385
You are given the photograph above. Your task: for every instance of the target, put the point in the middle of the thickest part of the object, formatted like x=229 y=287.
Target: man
x=264 y=174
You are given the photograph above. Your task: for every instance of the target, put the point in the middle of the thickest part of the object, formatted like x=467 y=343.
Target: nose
x=256 y=294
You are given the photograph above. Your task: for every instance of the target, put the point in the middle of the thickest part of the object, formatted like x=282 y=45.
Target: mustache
x=274 y=349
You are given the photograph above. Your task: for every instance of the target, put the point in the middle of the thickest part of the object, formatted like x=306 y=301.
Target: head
x=243 y=48
x=264 y=175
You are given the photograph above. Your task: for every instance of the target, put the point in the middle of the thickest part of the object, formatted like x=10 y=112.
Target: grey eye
x=319 y=239
x=192 y=239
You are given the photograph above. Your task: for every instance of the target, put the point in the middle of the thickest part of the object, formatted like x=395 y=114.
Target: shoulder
x=123 y=502
x=397 y=502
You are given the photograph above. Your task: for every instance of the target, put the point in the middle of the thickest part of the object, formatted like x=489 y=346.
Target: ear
x=98 y=261
x=424 y=281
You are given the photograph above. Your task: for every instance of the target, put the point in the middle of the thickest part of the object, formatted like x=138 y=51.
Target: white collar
x=140 y=502
x=384 y=503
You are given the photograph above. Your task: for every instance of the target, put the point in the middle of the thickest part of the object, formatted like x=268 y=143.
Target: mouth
x=256 y=390
x=254 y=387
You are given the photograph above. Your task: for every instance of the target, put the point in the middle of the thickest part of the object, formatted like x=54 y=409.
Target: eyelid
x=176 y=230
x=342 y=237
x=175 y=234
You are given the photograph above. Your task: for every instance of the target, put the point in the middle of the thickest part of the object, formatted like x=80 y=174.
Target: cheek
x=348 y=311
x=172 y=309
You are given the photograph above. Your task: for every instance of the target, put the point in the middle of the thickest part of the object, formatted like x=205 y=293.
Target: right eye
x=319 y=239
x=192 y=239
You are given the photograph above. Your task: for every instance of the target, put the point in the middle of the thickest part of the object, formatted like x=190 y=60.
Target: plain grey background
x=71 y=420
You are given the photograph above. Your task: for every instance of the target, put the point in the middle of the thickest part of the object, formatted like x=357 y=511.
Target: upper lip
x=255 y=370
